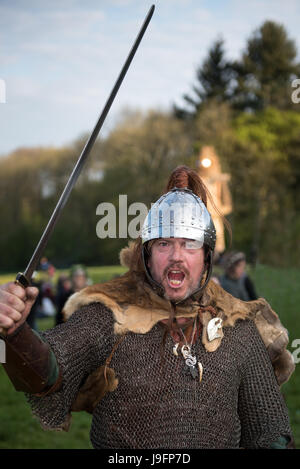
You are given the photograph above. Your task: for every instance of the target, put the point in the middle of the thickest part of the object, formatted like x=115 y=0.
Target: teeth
x=175 y=282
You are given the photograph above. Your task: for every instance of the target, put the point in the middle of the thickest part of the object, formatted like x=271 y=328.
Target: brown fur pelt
x=137 y=308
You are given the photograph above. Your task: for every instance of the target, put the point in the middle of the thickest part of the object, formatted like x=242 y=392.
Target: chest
x=146 y=365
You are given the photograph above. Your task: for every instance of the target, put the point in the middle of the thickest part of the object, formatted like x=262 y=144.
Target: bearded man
x=162 y=356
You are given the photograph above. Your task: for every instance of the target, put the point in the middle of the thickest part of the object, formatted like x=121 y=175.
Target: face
x=177 y=264
x=67 y=284
x=79 y=282
x=239 y=269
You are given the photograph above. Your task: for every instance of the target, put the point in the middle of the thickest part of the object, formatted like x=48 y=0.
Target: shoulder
x=222 y=279
x=89 y=321
x=95 y=315
x=240 y=344
x=227 y=282
x=244 y=340
x=89 y=330
x=243 y=331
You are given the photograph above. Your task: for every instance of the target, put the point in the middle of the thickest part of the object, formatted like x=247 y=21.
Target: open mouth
x=175 y=278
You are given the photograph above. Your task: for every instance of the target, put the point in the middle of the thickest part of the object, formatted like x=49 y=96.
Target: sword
x=24 y=279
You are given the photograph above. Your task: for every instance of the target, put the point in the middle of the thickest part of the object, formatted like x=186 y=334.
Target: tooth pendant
x=200 y=366
x=175 y=349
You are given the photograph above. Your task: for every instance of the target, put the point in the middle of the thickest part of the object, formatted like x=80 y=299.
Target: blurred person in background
x=37 y=306
x=44 y=264
x=63 y=291
x=47 y=290
x=235 y=279
x=79 y=277
x=66 y=286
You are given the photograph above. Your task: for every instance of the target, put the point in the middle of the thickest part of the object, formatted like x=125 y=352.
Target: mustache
x=175 y=266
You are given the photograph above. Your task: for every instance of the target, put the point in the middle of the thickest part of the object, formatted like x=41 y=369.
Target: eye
x=163 y=243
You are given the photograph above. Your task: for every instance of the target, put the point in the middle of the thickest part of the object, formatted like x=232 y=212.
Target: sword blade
x=25 y=278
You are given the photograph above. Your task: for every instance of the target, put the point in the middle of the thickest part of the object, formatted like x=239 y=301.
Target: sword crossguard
x=22 y=280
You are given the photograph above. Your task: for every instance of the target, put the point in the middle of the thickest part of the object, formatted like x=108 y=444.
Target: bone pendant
x=175 y=350
x=212 y=329
x=200 y=366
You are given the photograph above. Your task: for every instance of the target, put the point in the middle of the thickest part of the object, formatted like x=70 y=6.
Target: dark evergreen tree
x=266 y=70
x=213 y=82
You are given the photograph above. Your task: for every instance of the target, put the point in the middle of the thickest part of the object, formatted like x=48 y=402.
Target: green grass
x=18 y=429
x=281 y=289
x=96 y=274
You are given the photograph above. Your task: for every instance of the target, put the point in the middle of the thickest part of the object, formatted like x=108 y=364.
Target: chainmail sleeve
x=80 y=346
x=261 y=407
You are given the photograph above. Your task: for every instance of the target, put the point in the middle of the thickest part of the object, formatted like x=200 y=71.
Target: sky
x=59 y=59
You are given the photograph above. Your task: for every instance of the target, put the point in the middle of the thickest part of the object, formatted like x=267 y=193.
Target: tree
x=140 y=154
x=134 y=159
x=265 y=72
x=213 y=82
x=264 y=161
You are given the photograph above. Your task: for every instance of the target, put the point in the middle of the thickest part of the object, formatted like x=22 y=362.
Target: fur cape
x=137 y=308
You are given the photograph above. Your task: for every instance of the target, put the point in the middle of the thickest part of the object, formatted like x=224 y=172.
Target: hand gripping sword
x=24 y=279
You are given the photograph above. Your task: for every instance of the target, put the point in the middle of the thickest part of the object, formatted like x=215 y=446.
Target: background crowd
x=55 y=290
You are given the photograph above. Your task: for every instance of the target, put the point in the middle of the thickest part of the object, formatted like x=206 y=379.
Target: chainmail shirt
x=156 y=403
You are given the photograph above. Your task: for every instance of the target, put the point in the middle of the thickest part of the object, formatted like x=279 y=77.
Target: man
x=66 y=286
x=161 y=356
x=235 y=280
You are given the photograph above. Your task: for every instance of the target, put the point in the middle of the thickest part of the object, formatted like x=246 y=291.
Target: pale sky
x=60 y=58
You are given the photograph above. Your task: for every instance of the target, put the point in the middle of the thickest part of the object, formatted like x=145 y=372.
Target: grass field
x=19 y=430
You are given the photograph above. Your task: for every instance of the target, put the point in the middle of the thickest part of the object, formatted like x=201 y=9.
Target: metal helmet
x=180 y=214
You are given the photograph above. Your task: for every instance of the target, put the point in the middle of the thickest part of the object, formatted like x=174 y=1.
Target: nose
x=176 y=253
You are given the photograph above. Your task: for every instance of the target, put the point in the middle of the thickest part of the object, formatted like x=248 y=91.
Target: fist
x=15 y=305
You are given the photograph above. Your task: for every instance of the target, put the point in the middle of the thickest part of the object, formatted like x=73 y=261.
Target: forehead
x=239 y=263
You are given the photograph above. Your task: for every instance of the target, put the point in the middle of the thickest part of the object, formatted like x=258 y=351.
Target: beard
x=191 y=288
